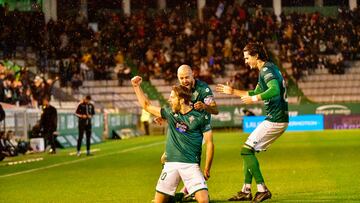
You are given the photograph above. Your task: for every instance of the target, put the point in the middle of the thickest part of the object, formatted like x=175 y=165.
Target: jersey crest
x=195 y=94
x=191 y=119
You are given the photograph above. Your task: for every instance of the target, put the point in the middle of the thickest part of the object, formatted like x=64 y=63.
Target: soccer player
x=187 y=128
x=270 y=89
x=202 y=99
x=202 y=96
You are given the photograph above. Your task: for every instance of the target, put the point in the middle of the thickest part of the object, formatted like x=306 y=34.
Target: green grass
x=299 y=167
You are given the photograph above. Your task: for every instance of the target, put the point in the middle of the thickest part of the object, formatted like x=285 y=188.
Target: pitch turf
x=299 y=167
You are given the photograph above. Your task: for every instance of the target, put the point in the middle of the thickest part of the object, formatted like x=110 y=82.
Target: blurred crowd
x=158 y=41
x=312 y=41
x=18 y=88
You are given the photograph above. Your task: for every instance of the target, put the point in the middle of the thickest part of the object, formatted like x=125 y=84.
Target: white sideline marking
x=81 y=159
x=24 y=161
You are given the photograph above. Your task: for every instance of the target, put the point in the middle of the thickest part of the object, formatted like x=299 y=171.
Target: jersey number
x=284 y=96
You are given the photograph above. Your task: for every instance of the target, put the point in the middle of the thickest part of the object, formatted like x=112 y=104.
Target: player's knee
x=247 y=151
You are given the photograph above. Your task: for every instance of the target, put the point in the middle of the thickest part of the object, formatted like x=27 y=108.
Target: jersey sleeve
x=78 y=109
x=92 y=110
x=267 y=74
x=272 y=91
x=164 y=113
x=206 y=124
x=207 y=95
x=256 y=91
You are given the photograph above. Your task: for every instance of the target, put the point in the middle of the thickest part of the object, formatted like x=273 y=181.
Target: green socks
x=251 y=166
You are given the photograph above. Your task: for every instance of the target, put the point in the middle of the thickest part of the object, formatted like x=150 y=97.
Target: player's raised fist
x=136 y=81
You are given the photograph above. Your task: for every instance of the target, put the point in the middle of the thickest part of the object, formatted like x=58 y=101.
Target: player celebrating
x=270 y=89
x=187 y=128
x=202 y=99
x=202 y=96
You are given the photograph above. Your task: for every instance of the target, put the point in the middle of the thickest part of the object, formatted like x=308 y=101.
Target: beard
x=189 y=84
x=176 y=108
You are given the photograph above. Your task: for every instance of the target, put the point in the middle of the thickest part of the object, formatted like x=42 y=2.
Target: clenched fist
x=136 y=81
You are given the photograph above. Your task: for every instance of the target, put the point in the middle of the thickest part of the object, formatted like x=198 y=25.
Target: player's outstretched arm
x=143 y=100
x=227 y=89
x=208 y=136
x=257 y=95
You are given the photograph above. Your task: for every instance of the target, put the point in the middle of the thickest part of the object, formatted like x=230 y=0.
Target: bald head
x=185 y=76
x=184 y=69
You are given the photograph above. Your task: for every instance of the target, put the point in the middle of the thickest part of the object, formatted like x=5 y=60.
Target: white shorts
x=171 y=174
x=265 y=134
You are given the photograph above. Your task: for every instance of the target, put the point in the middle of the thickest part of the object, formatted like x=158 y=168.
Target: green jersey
x=185 y=135
x=202 y=92
x=276 y=107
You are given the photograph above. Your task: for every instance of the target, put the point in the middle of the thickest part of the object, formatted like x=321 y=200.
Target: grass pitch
x=299 y=167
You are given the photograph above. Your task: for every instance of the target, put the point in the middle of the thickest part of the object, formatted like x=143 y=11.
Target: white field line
x=25 y=161
x=81 y=159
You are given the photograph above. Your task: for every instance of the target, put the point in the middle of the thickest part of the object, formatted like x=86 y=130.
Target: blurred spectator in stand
x=41 y=88
x=76 y=81
x=248 y=112
x=25 y=97
x=144 y=71
x=205 y=71
x=86 y=71
x=123 y=73
x=145 y=120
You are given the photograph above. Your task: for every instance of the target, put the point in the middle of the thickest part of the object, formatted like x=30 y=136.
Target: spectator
x=48 y=124
x=145 y=120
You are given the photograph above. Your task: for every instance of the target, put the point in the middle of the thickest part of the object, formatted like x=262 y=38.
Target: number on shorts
x=163 y=176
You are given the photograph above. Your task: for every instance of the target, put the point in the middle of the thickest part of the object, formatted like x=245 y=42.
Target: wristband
x=254 y=98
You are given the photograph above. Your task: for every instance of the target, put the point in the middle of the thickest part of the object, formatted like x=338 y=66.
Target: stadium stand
x=107 y=94
x=321 y=86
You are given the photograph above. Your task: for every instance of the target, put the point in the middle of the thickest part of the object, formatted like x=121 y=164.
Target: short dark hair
x=46 y=97
x=183 y=93
x=257 y=48
x=88 y=97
